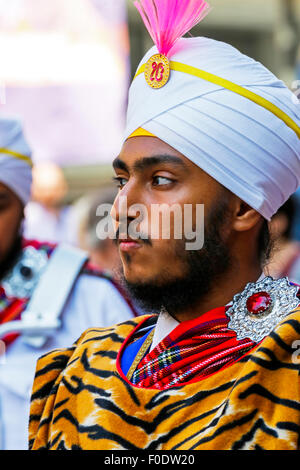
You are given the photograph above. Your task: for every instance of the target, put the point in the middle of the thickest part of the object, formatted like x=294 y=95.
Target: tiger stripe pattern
x=81 y=400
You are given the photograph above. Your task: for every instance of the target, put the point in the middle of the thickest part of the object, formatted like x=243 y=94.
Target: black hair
x=265 y=243
x=288 y=209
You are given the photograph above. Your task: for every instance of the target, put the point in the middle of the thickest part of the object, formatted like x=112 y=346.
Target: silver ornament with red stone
x=257 y=310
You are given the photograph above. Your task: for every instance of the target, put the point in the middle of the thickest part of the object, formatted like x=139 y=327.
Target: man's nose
x=125 y=202
x=119 y=208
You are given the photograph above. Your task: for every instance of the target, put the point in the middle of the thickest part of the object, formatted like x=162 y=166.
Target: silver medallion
x=282 y=298
x=25 y=275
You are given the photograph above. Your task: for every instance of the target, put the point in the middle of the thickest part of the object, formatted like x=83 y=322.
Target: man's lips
x=129 y=245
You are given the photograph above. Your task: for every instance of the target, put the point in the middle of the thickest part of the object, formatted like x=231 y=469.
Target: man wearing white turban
x=15 y=184
x=216 y=366
x=48 y=294
x=15 y=159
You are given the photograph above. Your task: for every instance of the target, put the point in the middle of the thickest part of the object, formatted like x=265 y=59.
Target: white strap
x=50 y=295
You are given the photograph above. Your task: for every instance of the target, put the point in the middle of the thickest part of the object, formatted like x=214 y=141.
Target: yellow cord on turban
x=179 y=67
x=17 y=155
x=141 y=133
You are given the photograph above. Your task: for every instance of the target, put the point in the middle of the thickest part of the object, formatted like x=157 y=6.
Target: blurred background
x=65 y=69
x=268 y=30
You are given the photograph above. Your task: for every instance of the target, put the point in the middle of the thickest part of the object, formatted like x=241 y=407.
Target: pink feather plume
x=169 y=20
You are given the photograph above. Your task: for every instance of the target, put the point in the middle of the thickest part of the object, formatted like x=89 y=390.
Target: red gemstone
x=259 y=303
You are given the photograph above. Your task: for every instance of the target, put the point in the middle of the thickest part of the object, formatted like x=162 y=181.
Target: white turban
x=251 y=150
x=15 y=159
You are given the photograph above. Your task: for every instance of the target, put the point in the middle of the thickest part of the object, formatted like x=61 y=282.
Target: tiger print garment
x=81 y=400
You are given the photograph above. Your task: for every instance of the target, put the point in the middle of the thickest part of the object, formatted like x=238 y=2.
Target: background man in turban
x=90 y=299
x=215 y=368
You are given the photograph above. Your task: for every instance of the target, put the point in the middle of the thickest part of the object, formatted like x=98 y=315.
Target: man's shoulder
x=114 y=334
x=289 y=327
x=281 y=348
x=91 y=340
x=58 y=370
x=52 y=366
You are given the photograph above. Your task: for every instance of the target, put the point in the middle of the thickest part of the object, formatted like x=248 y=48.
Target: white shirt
x=94 y=302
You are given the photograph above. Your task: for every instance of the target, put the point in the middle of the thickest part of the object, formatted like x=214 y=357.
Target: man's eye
x=161 y=180
x=120 y=181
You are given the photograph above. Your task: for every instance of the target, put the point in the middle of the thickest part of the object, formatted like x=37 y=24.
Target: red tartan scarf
x=194 y=350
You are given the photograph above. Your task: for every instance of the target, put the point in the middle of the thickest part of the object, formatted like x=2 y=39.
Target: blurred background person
x=285 y=259
x=48 y=294
x=103 y=253
x=47 y=217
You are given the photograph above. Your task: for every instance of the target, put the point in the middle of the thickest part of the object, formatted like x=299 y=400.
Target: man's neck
x=222 y=292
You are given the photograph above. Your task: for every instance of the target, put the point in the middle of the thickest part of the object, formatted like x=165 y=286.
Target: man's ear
x=245 y=218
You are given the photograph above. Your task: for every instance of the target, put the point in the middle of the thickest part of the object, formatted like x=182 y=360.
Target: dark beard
x=201 y=269
x=11 y=258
